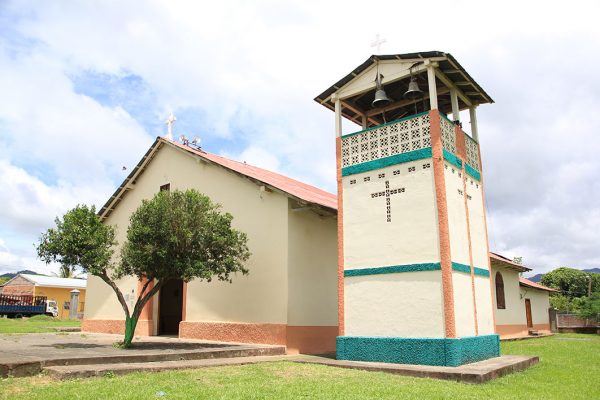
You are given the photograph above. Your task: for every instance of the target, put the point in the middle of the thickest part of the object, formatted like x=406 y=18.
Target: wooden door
x=528 y=313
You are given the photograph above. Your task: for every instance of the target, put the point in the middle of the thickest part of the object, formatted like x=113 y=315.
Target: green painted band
x=393 y=269
x=452 y=159
x=467 y=269
x=425 y=351
x=461 y=267
x=386 y=124
x=472 y=171
x=387 y=161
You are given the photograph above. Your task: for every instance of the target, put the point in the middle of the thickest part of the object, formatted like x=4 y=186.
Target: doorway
x=170 y=307
x=528 y=313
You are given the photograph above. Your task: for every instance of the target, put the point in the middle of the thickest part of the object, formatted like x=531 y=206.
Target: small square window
x=165 y=188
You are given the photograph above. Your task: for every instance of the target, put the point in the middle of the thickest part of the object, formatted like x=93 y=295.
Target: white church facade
x=289 y=296
x=396 y=268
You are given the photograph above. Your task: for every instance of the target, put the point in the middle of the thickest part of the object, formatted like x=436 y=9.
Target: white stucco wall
x=457 y=217
x=411 y=237
x=463 y=304
x=483 y=298
x=312 y=273
x=540 y=303
x=477 y=225
x=101 y=301
x=259 y=297
x=405 y=305
x=514 y=313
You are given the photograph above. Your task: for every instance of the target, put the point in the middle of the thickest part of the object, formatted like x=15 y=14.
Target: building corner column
x=487 y=241
x=340 y=235
x=461 y=150
x=443 y=224
x=145 y=326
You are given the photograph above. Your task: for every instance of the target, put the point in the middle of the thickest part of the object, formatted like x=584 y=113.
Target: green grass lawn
x=569 y=369
x=36 y=324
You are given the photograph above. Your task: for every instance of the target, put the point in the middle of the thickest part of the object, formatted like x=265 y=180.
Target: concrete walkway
x=74 y=355
x=27 y=354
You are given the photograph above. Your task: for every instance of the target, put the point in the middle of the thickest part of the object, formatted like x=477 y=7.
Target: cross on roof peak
x=170 y=121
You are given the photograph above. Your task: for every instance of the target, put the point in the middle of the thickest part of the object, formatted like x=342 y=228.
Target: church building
x=395 y=268
x=288 y=297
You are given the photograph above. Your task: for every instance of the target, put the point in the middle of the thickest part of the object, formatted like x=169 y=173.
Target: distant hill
x=538 y=277
x=10 y=275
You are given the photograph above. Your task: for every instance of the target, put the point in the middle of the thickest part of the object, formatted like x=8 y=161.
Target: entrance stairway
x=101 y=365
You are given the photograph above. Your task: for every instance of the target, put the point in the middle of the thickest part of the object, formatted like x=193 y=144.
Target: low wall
x=574 y=321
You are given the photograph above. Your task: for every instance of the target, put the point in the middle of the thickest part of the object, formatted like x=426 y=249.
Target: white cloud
x=253 y=69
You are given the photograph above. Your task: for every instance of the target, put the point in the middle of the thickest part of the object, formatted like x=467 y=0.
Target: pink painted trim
x=184 y=301
x=487 y=242
x=234 y=332
x=443 y=226
x=146 y=314
x=340 y=236
x=460 y=139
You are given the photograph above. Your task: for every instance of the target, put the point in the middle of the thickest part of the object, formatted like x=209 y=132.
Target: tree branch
x=142 y=300
x=115 y=288
x=148 y=280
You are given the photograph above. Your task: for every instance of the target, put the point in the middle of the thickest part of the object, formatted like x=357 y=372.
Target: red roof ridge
x=535 y=285
x=296 y=188
x=508 y=261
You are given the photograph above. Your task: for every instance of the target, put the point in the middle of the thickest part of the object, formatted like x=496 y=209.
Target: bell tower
x=413 y=268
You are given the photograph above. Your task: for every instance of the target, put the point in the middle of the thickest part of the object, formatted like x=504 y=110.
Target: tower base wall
x=424 y=351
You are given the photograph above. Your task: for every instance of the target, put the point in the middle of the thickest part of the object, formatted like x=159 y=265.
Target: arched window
x=500 y=303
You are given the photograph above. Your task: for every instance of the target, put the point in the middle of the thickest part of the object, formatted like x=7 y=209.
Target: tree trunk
x=131 y=321
x=130 y=324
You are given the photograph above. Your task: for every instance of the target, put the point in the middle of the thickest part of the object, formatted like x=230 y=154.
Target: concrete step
x=27 y=368
x=201 y=354
x=91 y=370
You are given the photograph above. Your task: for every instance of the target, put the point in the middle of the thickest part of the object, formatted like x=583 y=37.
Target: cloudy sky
x=86 y=86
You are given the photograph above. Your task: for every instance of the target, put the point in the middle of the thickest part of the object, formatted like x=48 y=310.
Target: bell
x=413 y=92
x=381 y=99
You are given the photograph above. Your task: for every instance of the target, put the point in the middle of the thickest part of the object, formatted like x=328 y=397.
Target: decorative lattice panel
x=448 y=135
x=472 y=153
x=388 y=140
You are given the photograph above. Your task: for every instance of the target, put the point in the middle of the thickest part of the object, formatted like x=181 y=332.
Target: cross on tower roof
x=377 y=43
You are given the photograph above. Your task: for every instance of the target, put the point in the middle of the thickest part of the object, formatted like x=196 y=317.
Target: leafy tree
x=175 y=235
x=589 y=307
x=560 y=302
x=571 y=282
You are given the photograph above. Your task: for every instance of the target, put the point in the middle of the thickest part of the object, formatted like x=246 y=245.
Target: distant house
x=520 y=305
x=58 y=289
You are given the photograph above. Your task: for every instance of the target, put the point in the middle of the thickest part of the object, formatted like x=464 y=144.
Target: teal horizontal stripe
x=461 y=267
x=472 y=171
x=452 y=159
x=386 y=124
x=387 y=161
x=394 y=269
x=467 y=269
